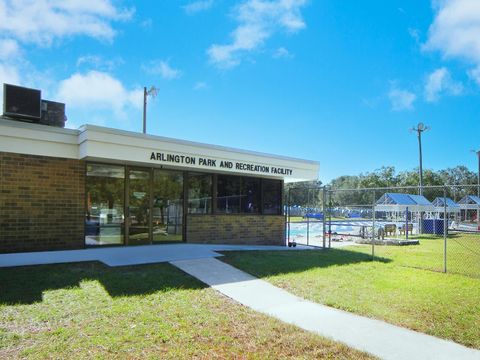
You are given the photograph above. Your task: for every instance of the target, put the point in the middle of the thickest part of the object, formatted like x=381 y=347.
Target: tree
x=305 y=193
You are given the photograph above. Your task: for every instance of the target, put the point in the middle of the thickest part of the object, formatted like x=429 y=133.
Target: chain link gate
x=306 y=219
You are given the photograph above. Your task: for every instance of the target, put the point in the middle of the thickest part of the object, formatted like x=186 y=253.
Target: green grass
x=463 y=253
x=88 y=310
x=443 y=305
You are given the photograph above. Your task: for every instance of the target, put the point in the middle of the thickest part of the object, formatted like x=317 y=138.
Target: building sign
x=209 y=163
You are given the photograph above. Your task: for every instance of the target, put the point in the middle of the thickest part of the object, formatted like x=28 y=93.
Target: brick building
x=96 y=186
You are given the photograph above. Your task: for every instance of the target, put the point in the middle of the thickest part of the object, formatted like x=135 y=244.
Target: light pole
x=420 y=129
x=151 y=92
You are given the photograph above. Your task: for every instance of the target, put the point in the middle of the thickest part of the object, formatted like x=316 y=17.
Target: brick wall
x=41 y=203
x=236 y=229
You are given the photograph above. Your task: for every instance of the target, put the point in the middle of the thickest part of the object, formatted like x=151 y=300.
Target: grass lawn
x=443 y=305
x=88 y=310
x=463 y=253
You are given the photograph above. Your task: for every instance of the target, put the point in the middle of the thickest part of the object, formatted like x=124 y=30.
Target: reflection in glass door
x=138 y=206
x=167 y=212
x=105 y=193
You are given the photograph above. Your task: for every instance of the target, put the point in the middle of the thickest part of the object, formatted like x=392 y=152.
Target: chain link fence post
x=324 y=217
x=330 y=219
x=445 y=229
x=288 y=215
x=310 y=206
x=373 y=225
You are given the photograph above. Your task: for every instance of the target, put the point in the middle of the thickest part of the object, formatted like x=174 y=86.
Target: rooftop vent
x=53 y=113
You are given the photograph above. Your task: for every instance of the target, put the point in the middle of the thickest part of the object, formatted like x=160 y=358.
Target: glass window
x=199 y=193
x=105 y=203
x=236 y=194
x=272 y=197
x=228 y=194
x=250 y=195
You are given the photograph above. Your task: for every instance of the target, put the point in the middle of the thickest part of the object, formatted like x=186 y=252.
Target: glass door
x=138 y=208
x=167 y=206
x=105 y=194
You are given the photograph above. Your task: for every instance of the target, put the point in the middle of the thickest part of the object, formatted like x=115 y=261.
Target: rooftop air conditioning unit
x=21 y=103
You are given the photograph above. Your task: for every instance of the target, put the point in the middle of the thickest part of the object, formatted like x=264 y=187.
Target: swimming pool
x=299 y=230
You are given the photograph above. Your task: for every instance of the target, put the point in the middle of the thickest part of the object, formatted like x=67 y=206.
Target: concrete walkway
x=373 y=336
x=130 y=255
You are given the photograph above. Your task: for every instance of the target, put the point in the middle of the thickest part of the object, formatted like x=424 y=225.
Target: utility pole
x=151 y=92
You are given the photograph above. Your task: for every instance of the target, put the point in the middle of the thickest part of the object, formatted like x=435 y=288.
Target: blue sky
x=340 y=82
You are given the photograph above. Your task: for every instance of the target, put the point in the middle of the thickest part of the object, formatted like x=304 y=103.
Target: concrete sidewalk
x=131 y=255
x=373 y=336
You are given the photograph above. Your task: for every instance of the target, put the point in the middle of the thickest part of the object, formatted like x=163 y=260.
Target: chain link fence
x=437 y=228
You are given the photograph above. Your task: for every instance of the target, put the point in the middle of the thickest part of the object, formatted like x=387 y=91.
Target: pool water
x=340 y=227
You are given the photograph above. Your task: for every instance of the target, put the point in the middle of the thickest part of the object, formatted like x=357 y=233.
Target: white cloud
x=99 y=62
x=475 y=74
x=281 y=52
x=9 y=74
x=8 y=49
x=146 y=24
x=42 y=21
x=440 y=82
x=200 y=85
x=257 y=21
x=162 y=68
x=401 y=99
x=415 y=34
x=98 y=91
x=197 y=6
x=455 y=30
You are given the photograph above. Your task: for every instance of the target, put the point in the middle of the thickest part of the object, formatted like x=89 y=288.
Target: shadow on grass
x=25 y=285
x=268 y=263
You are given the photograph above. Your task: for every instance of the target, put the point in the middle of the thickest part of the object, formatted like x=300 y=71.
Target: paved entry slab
x=373 y=336
x=130 y=255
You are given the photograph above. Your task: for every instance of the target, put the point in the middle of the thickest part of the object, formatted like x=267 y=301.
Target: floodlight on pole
x=421 y=127
x=153 y=91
